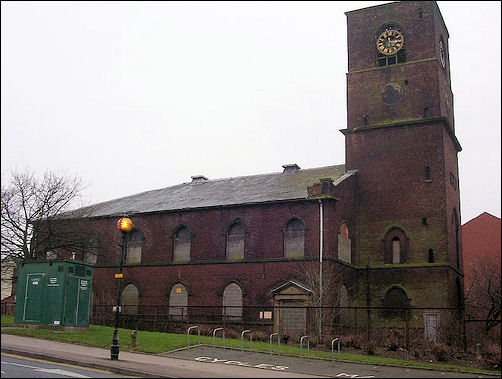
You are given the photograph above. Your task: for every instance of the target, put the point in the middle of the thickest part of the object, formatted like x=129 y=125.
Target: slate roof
x=221 y=192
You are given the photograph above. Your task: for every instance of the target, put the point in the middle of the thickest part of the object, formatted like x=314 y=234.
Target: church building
x=383 y=229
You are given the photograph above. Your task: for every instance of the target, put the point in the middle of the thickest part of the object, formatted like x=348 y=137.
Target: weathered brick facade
x=397 y=196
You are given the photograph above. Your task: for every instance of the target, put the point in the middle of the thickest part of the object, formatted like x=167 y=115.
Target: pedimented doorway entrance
x=290 y=305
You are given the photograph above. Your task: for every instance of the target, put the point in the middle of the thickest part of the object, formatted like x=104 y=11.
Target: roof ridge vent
x=290 y=168
x=198 y=179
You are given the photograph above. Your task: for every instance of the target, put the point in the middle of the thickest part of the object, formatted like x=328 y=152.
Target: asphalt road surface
x=277 y=363
x=15 y=366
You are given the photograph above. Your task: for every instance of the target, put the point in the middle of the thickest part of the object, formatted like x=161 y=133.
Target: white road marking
x=344 y=375
x=48 y=370
x=61 y=372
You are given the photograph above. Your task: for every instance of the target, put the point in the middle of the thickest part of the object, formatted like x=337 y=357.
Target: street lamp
x=124 y=225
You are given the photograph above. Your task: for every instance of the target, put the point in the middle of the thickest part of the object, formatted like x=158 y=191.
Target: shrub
x=391 y=343
x=355 y=341
x=260 y=336
x=440 y=352
x=369 y=347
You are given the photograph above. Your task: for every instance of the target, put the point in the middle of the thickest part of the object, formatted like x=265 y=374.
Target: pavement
x=202 y=361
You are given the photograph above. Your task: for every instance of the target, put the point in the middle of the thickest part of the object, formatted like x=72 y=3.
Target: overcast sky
x=134 y=96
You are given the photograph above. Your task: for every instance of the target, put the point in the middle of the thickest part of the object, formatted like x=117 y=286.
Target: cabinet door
x=71 y=301
x=84 y=301
x=33 y=297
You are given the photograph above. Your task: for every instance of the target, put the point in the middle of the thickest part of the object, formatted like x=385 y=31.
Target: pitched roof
x=484 y=215
x=201 y=193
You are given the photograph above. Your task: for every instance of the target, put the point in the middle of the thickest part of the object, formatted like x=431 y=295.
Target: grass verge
x=157 y=342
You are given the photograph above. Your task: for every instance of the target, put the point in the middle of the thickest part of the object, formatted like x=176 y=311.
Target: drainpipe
x=320 y=265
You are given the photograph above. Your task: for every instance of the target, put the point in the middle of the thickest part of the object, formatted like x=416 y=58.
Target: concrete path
x=206 y=362
x=135 y=364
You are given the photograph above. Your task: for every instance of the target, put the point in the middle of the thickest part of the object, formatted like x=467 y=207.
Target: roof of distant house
x=484 y=214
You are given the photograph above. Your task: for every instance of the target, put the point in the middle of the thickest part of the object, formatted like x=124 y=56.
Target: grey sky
x=133 y=96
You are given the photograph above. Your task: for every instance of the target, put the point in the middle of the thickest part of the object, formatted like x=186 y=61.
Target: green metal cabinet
x=56 y=293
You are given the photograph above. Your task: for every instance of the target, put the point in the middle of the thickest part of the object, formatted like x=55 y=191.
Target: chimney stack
x=290 y=168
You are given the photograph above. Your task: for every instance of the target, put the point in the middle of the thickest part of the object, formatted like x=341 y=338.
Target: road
x=15 y=366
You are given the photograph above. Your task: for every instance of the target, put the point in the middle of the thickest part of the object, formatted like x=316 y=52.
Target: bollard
x=278 y=342
x=301 y=347
x=339 y=354
x=478 y=351
x=133 y=338
x=250 y=339
x=188 y=334
x=214 y=337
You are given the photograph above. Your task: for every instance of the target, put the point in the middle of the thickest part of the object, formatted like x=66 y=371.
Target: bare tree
x=483 y=293
x=329 y=309
x=33 y=217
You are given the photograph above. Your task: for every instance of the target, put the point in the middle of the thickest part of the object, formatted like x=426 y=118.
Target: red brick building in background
x=383 y=229
x=481 y=244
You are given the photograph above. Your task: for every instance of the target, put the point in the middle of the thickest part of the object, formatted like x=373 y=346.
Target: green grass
x=157 y=342
x=7 y=320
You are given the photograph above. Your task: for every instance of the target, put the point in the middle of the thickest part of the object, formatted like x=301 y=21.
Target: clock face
x=390 y=42
x=442 y=55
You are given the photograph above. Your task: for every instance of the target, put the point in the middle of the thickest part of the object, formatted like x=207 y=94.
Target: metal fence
x=392 y=327
x=357 y=327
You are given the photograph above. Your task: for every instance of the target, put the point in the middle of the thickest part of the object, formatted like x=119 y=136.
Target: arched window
x=134 y=246
x=396 y=301
x=343 y=302
x=459 y=295
x=232 y=302
x=344 y=244
x=294 y=239
x=130 y=297
x=391 y=45
x=396 y=250
x=178 y=301
x=182 y=242
x=91 y=250
x=235 y=242
x=442 y=52
x=427 y=173
x=396 y=245
x=457 y=242
x=431 y=255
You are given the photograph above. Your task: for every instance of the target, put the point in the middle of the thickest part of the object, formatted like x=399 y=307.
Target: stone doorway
x=290 y=316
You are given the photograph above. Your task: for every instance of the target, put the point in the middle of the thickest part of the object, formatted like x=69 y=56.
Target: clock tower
x=400 y=137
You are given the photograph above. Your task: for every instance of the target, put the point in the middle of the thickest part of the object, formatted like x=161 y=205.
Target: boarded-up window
x=182 y=241
x=178 y=301
x=431 y=326
x=457 y=246
x=344 y=244
x=91 y=251
x=130 y=296
x=293 y=317
x=235 y=242
x=343 y=301
x=232 y=302
x=396 y=246
x=396 y=250
x=396 y=304
x=294 y=239
x=134 y=247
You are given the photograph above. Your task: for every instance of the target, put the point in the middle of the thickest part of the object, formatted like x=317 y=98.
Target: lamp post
x=124 y=225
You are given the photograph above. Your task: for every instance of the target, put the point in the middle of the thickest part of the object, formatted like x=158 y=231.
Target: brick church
x=381 y=229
